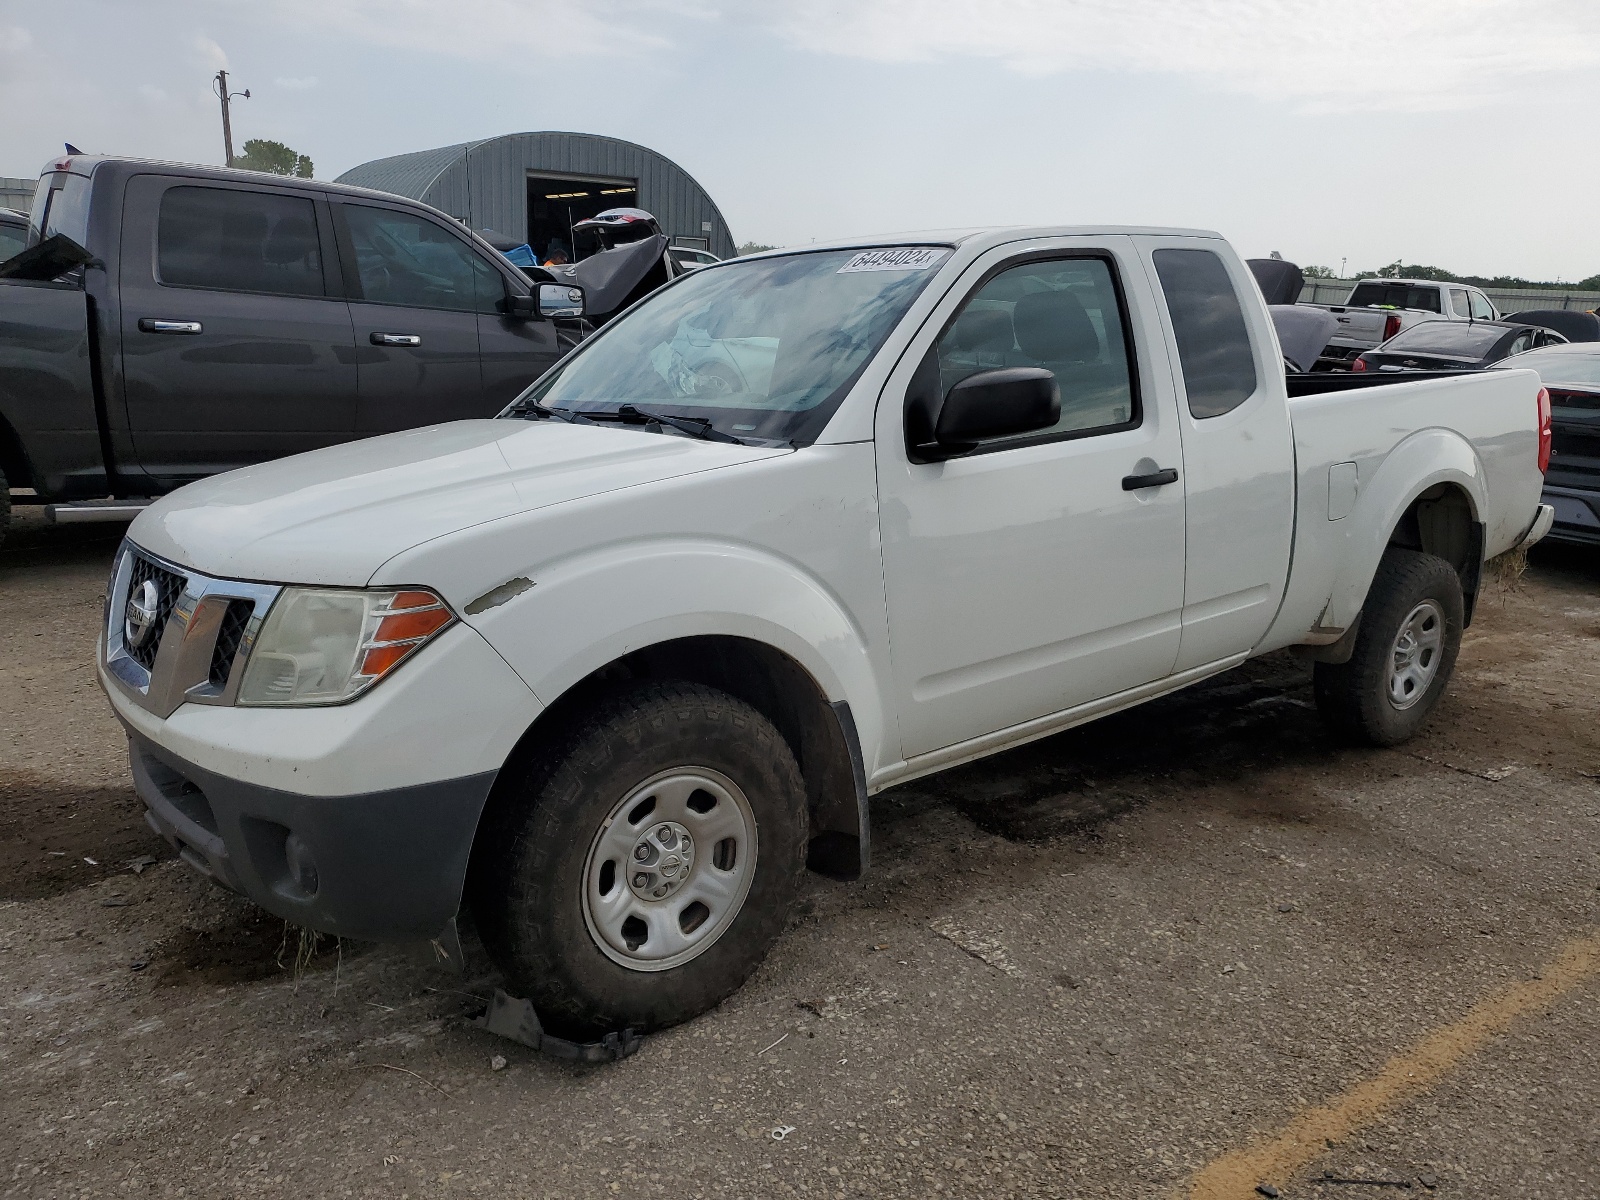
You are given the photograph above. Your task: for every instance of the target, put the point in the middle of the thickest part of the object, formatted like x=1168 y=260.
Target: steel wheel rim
x=1415 y=655
x=646 y=911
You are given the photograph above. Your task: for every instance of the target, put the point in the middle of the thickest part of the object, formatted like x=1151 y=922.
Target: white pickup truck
x=1378 y=309
x=614 y=668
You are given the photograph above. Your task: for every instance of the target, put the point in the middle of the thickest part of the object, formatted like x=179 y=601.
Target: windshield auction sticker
x=896 y=258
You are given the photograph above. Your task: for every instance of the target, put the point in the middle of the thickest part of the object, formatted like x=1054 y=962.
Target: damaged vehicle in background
x=1572 y=485
x=1380 y=309
x=1455 y=346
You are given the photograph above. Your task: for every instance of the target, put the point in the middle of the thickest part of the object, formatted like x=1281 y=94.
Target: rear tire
x=1404 y=654
x=640 y=868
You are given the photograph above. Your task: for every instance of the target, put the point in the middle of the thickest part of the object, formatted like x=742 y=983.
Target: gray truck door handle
x=1132 y=483
x=162 y=325
x=394 y=339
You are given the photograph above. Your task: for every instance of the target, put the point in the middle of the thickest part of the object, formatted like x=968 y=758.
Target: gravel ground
x=1090 y=967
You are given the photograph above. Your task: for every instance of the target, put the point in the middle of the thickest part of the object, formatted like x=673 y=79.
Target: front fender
x=589 y=610
x=1425 y=459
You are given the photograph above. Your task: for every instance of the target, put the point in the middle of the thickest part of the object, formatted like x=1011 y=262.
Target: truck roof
x=986 y=236
x=1415 y=282
x=87 y=164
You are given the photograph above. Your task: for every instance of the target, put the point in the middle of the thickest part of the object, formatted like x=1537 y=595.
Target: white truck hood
x=335 y=516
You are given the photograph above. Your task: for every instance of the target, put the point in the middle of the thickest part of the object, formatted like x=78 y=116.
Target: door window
x=239 y=241
x=1481 y=311
x=1061 y=314
x=12 y=239
x=405 y=259
x=1219 y=366
x=1459 y=302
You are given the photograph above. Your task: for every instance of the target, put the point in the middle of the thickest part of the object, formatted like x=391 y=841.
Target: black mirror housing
x=989 y=404
x=48 y=260
x=521 y=307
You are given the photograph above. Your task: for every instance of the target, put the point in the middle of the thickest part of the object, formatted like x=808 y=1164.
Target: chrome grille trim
x=189 y=659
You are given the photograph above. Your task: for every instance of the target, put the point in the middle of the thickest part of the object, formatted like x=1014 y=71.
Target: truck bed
x=1361 y=448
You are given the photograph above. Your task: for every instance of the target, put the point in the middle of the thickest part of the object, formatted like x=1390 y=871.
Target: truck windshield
x=1447 y=337
x=764 y=350
x=1394 y=295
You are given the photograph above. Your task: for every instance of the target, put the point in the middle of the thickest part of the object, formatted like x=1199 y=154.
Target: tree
x=753 y=248
x=1318 y=272
x=1591 y=284
x=274 y=158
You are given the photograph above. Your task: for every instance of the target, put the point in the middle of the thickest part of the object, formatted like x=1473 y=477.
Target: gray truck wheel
x=638 y=871
x=1405 y=651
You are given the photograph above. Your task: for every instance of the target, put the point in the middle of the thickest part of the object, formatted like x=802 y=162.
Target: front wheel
x=1404 y=654
x=642 y=868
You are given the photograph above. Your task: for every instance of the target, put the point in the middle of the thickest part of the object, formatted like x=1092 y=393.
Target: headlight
x=322 y=646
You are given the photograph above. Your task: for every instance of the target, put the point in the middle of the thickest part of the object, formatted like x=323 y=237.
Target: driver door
x=1029 y=576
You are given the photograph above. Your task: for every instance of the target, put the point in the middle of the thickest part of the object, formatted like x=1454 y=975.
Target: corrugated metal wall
x=485 y=183
x=16 y=193
x=1507 y=300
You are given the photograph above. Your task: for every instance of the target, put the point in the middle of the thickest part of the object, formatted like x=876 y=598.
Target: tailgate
x=1362 y=327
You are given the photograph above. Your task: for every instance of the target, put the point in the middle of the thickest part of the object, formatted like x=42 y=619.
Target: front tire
x=1404 y=654
x=641 y=868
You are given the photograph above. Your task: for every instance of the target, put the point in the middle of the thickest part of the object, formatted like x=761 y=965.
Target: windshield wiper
x=698 y=427
x=539 y=410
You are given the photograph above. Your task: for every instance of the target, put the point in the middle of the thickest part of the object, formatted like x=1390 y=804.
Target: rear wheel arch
x=14 y=463
x=1443 y=521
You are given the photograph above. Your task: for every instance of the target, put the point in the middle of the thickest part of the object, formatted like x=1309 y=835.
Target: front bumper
x=379 y=866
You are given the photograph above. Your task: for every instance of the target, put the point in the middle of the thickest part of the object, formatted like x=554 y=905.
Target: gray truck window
x=1396 y=295
x=408 y=260
x=1219 y=367
x=60 y=205
x=1062 y=315
x=12 y=239
x=1458 y=301
x=238 y=241
x=1481 y=309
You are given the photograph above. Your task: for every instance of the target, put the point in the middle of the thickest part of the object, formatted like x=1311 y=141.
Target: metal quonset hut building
x=535 y=185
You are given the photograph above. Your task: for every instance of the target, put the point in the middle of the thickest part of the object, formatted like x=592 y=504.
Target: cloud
x=14 y=40
x=1356 y=55
x=209 y=53
x=296 y=85
x=492 y=29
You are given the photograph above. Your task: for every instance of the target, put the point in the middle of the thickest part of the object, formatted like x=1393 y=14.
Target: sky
x=1455 y=133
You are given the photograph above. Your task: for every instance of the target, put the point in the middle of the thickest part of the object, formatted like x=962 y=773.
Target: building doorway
x=558 y=202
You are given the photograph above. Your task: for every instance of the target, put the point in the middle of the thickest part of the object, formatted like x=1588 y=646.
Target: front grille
x=229 y=635
x=169 y=587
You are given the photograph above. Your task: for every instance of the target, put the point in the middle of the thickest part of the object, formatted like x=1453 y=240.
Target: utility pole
x=219 y=86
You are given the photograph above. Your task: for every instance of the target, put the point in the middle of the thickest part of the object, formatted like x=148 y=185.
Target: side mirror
x=521 y=307
x=993 y=404
x=50 y=259
x=560 y=300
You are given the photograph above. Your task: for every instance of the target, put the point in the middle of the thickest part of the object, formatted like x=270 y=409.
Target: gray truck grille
x=169 y=587
x=201 y=637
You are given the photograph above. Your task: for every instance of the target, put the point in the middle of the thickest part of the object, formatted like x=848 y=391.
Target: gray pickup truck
x=225 y=317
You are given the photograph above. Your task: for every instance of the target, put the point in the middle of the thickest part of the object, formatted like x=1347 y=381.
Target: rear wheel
x=1404 y=654
x=641 y=869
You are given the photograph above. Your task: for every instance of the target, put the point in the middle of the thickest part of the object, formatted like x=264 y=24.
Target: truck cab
x=1379 y=309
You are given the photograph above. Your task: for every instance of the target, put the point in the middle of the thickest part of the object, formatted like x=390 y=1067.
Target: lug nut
x=659 y=892
x=641 y=852
x=666 y=837
x=640 y=881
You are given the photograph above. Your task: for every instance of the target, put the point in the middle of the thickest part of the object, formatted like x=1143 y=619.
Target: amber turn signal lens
x=413 y=600
x=411 y=625
x=380 y=659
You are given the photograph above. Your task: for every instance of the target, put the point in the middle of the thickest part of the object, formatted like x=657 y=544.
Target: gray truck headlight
x=326 y=646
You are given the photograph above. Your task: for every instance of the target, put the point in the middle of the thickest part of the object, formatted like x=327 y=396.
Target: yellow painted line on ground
x=1235 y=1176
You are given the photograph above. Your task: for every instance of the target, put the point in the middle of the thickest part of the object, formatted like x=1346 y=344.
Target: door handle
x=395 y=339
x=1132 y=483
x=163 y=325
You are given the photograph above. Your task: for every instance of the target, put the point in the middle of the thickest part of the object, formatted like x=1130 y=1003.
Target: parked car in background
x=1570 y=323
x=13 y=232
x=1454 y=346
x=203 y=319
x=616 y=667
x=1379 y=309
x=1571 y=374
x=690 y=257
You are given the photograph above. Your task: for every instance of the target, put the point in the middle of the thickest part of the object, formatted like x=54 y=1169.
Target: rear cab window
x=60 y=205
x=1395 y=295
x=1214 y=350
x=1447 y=337
x=240 y=241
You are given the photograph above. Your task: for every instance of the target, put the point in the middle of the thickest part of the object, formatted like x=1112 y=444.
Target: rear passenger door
x=417 y=289
x=1238 y=446
x=236 y=339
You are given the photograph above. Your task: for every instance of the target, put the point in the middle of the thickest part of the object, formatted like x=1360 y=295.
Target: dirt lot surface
x=1182 y=952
